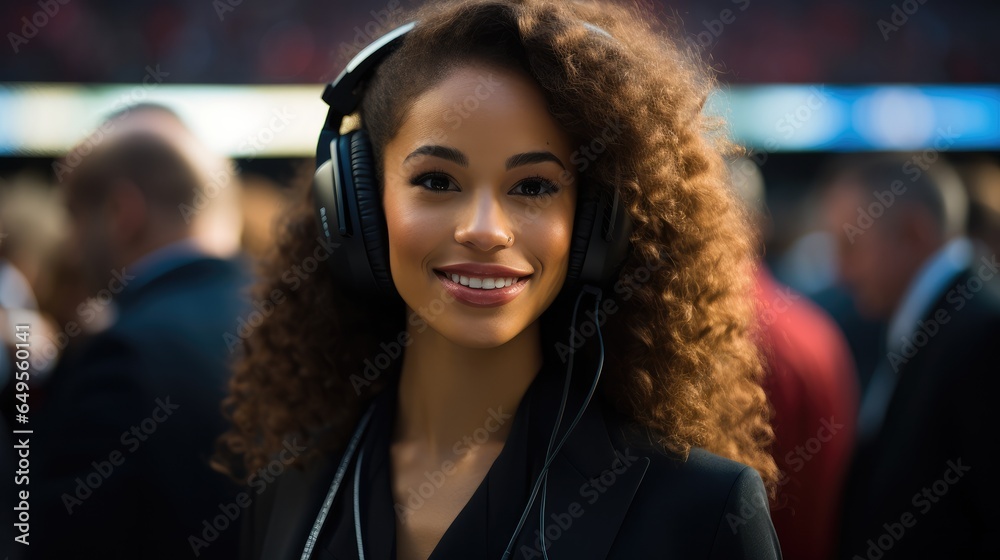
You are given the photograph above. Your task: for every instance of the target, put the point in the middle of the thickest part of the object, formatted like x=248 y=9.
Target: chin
x=471 y=330
x=480 y=338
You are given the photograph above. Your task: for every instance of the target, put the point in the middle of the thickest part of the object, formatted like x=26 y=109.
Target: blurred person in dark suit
x=812 y=387
x=920 y=483
x=124 y=438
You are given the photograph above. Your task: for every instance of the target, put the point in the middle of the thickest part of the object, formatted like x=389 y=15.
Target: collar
x=588 y=457
x=927 y=286
x=152 y=265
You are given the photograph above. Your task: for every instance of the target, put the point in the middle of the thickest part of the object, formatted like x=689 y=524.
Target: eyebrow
x=443 y=152
x=456 y=156
x=533 y=157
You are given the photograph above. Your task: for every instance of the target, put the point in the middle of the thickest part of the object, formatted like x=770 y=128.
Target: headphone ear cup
x=600 y=243
x=583 y=225
x=371 y=217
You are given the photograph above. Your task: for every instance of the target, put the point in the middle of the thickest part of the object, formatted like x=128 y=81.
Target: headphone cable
x=550 y=454
x=586 y=403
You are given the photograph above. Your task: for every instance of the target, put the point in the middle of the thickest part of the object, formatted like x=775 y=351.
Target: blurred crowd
x=877 y=284
x=252 y=41
x=125 y=273
x=878 y=313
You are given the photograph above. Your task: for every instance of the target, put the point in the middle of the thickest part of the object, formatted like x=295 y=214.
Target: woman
x=448 y=397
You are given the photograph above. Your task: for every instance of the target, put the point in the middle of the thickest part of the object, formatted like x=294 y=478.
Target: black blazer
x=938 y=435
x=134 y=416
x=658 y=507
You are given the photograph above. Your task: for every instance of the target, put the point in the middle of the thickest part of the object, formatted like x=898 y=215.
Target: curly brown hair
x=682 y=360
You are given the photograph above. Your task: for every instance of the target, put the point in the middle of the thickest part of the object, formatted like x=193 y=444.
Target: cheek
x=555 y=240
x=549 y=236
x=414 y=233
x=403 y=227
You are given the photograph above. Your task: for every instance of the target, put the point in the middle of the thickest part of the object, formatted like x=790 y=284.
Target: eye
x=435 y=181
x=535 y=187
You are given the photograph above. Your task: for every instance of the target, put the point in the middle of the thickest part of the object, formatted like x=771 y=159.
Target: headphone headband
x=342 y=94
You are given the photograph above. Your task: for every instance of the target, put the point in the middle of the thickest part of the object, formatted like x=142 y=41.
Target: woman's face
x=479 y=201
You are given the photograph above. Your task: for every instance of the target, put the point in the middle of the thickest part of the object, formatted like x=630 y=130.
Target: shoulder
x=198 y=309
x=700 y=505
x=701 y=468
x=205 y=286
x=284 y=503
x=169 y=336
x=971 y=298
x=967 y=316
x=706 y=484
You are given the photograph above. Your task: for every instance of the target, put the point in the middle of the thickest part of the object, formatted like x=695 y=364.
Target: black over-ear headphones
x=349 y=206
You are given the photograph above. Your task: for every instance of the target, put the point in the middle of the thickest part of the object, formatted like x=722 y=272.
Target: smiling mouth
x=485 y=283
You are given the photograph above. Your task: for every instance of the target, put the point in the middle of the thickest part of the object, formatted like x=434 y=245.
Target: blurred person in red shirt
x=812 y=386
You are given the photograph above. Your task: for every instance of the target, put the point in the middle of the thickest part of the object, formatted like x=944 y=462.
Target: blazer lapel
x=591 y=485
x=590 y=488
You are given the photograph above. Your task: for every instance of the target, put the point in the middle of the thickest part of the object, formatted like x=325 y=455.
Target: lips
x=482 y=285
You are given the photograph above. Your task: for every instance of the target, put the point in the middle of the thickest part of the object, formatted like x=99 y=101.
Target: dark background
x=294 y=41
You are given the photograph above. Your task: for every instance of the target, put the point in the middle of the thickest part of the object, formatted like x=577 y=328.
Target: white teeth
x=482 y=283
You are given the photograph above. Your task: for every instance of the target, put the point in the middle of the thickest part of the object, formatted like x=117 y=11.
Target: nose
x=483 y=223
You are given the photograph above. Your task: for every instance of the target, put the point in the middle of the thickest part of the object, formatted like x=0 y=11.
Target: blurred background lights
x=895 y=118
